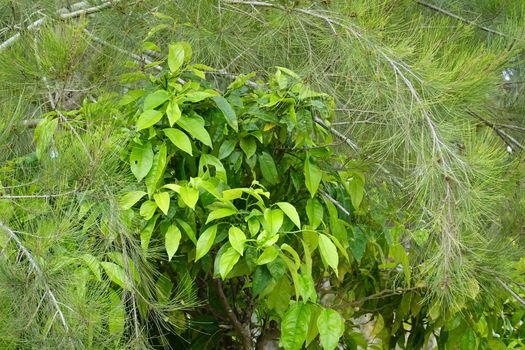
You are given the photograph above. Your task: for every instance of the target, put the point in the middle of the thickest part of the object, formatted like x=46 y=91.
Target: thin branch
x=508 y=139
x=511 y=292
x=335 y=202
x=336 y=133
x=382 y=294
x=42 y=196
x=38 y=271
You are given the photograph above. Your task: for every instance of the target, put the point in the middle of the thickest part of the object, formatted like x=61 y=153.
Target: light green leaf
x=141 y=159
x=148 y=209
x=378 y=325
x=173 y=112
x=155 y=99
x=148 y=118
x=268 y=168
x=268 y=255
x=307 y=288
x=163 y=201
x=93 y=265
x=312 y=176
x=157 y=169
x=228 y=260
x=227 y=111
x=147 y=231
x=248 y=145
x=237 y=239
x=44 y=135
x=220 y=213
x=328 y=252
x=130 y=199
x=116 y=317
x=179 y=139
x=291 y=212
x=172 y=240
x=195 y=127
x=331 y=327
x=205 y=242
x=189 y=196
x=356 y=190
x=188 y=229
x=274 y=220
x=294 y=326
x=315 y=212
x=197 y=96
x=115 y=273
x=175 y=57
x=400 y=256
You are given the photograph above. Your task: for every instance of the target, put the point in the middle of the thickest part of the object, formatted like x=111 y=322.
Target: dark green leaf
x=268 y=169
x=227 y=111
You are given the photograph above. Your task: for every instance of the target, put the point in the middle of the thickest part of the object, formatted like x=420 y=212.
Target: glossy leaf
x=315 y=212
x=268 y=168
x=155 y=99
x=274 y=220
x=189 y=196
x=173 y=112
x=172 y=240
x=248 y=145
x=331 y=327
x=328 y=252
x=157 y=169
x=147 y=231
x=148 y=118
x=130 y=199
x=227 y=148
x=237 y=239
x=179 y=139
x=163 y=201
x=227 y=111
x=312 y=176
x=175 y=57
x=195 y=127
x=141 y=159
x=220 y=213
x=227 y=261
x=205 y=241
x=294 y=326
x=148 y=209
x=115 y=273
x=268 y=255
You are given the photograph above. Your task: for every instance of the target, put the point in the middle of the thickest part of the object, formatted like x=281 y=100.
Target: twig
x=511 y=292
x=335 y=202
x=382 y=294
x=38 y=271
x=43 y=196
x=336 y=133
x=508 y=139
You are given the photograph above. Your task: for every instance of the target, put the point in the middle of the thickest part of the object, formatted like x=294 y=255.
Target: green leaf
x=227 y=111
x=172 y=240
x=197 y=96
x=175 y=57
x=145 y=234
x=130 y=199
x=312 y=175
x=400 y=256
x=179 y=139
x=315 y=212
x=331 y=327
x=227 y=148
x=116 y=317
x=237 y=239
x=274 y=220
x=268 y=168
x=262 y=279
x=157 y=169
x=307 y=288
x=228 y=260
x=44 y=135
x=378 y=325
x=115 y=273
x=291 y=212
x=205 y=242
x=294 y=326
x=189 y=231
x=148 y=209
x=195 y=127
x=220 y=213
x=268 y=255
x=356 y=190
x=248 y=145
x=155 y=99
x=148 y=118
x=93 y=265
x=141 y=159
x=173 y=112
x=189 y=196
x=328 y=252
x=163 y=201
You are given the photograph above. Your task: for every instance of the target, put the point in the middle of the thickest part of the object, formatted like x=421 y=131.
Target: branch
x=38 y=271
x=336 y=133
x=511 y=292
x=335 y=202
x=508 y=139
x=382 y=294
x=43 y=196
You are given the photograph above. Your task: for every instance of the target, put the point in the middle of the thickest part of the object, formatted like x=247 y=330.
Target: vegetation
x=253 y=174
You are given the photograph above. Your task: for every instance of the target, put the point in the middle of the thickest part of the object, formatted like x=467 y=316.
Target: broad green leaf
x=116 y=317
x=179 y=139
x=115 y=273
x=130 y=199
x=262 y=279
x=400 y=256
x=237 y=239
x=315 y=212
x=274 y=220
x=93 y=265
x=155 y=99
x=331 y=327
x=378 y=325
x=227 y=111
x=141 y=159
x=291 y=212
x=173 y=112
x=148 y=209
x=44 y=135
x=197 y=96
x=268 y=255
x=172 y=240
x=312 y=176
x=313 y=331
x=268 y=168
x=328 y=252
x=188 y=229
x=147 y=231
x=157 y=169
x=220 y=213
x=175 y=57
x=253 y=226
x=279 y=298
x=228 y=260
x=163 y=201
x=148 y=118
x=294 y=326
x=248 y=145
x=356 y=190
x=307 y=288
x=227 y=148
x=195 y=127
x=189 y=196
x=130 y=96
x=205 y=241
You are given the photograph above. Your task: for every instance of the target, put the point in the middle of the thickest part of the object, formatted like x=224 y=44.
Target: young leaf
x=312 y=175
x=175 y=57
x=173 y=112
x=268 y=255
x=328 y=252
x=148 y=118
x=148 y=209
x=220 y=213
x=268 y=168
x=315 y=212
x=145 y=234
x=163 y=201
x=172 y=240
x=195 y=127
x=294 y=326
x=205 y=242
x=331 y=327
x=291 y=212
x=237 y=239
x=356 y=190
x=189 y=196
x=227 y=261
x=188 y=229
x=227 y=111
x=115 y=273
x=197 y=96
x=157 y=169
x=155 y=99
x=141 y=159
x=274 y=220
x=130 y=199
x=179 y=139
